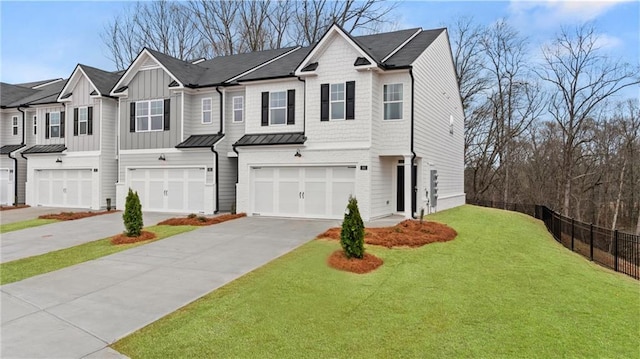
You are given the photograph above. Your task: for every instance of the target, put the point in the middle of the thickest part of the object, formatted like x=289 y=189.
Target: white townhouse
x=290 y=132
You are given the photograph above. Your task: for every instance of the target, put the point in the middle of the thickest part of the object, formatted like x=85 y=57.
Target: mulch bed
x=70 y=216
x=200 y=220
x=124 y=239
x=8 y=208
x=408 y=233
x=367 y=264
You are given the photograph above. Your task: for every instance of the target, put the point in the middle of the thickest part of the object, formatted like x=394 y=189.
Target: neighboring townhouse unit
x=178 y=121
x=71 y=159
x=378 y=117
x=19 y=128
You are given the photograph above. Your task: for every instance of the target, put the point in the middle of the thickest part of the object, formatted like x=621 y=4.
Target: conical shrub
x=352 y=233
x=132 y=215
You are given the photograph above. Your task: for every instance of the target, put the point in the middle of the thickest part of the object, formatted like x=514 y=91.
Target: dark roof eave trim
x=267 y=144
x=269 y=78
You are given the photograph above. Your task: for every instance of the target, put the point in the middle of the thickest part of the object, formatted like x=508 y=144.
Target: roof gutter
x=413 y=153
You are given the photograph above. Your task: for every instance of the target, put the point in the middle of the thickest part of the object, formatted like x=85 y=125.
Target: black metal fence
x=612 y=249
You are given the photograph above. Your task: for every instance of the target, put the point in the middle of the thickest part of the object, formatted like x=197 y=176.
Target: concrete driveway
x=77 y=311
x=43 y=239
x=23 y=214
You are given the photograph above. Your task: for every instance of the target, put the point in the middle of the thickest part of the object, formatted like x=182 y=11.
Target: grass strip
x=502 y=289
x=16 y=226
x=28 y=267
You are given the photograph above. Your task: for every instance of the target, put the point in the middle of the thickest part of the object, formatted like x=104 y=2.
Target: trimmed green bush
x=352 y=233
x=132 y=215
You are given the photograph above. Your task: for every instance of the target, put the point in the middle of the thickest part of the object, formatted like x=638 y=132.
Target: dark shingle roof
x=35 y=83
x=295 y=138
x=103 y=80
x=186 y=72
x=6 y=149
x=223 y=68
x=195 y=141
x=410 y=52
x=380 y=45
x=281 y=68
x=45 y=149
x=44 y=95
x=12 y=93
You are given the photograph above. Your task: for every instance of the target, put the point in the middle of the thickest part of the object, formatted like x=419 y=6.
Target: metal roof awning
x=45 y=149
x=6 y=149
x=199 y=141
x=293 y=138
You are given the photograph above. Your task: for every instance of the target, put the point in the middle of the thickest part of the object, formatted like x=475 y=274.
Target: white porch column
x=408 y=190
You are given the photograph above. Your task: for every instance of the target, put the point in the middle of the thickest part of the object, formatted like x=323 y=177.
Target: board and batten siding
x=41 y=113
x=335 y=65
x=81 y=98
x=228 y=165
x=151 y=85
x=108 y=161
x=436 y=99
x=32 y=138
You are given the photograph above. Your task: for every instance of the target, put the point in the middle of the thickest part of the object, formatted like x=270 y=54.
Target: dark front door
x=400 y=188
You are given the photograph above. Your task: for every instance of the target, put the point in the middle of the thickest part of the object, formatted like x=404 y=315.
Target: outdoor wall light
x=59 y=160
x=298 y=154
x=162 y=157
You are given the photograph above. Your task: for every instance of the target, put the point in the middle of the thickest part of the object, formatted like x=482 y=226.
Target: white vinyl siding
x=14 y=125
x=206 y=110
x=278 y=108
x=337 y=101
x=54 y=124
x=392 y=100
x=238 y=108
x=149 y=116
x=83 y=120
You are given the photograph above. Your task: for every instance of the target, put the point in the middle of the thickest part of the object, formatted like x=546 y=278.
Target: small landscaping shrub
x=192 y=215
x=352 y=233
x=202 y=218
x=132 y=214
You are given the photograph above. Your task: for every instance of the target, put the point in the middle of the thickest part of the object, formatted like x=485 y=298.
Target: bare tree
x=581 y=78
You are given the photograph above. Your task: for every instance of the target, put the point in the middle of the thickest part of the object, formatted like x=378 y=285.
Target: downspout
x=217 y=209
x=304 y=106
x=413 y=153
x=15 y=160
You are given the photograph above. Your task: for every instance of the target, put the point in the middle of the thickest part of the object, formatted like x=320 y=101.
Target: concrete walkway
x=43 y=239
x=77 y=311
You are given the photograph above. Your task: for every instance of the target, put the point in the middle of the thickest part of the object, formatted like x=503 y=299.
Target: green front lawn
x=28 y=267
x=16 y=226
x=504 y=288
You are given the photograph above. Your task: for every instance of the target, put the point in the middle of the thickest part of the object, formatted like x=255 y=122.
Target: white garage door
x=313 y=192
x=64 y=188
x=169 y=189
x=6 y=186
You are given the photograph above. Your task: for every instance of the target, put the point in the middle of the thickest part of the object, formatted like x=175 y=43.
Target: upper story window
x=149 y=115
x=238 y=108
x=55 y=124
x=392 y=100
x=14 y=125
x=206 y=110
x=35 y=125
x=337 y=101
x=278 y=108
x=83 y=119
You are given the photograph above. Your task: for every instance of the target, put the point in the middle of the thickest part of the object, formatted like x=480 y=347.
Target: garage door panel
x=288 y=197
x=340 y=197
x=169 y=189
x=315 y=198
x=263 y=192
x=6 y=186
x=64 y=188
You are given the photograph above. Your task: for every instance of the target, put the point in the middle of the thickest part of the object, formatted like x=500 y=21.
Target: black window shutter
x=265 y=109
x=75 y=121
x=324 y=102
x=291 y=107
x=46 y=125
x=62 y=124
x=351 y=100
x=132 y=117
x=167 y=114
x=89 y=120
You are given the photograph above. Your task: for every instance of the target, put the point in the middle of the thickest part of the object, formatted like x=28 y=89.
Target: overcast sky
x=43 y=40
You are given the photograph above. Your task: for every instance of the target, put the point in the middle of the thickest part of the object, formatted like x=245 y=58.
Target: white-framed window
x=238 y=108
x=150 y=115
x=35 y=125
x=206 y=110
x=278 y=108
x=54 y=124
x=14 y=125
x=336 y=101
x=83 y=120
x=392 y=100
